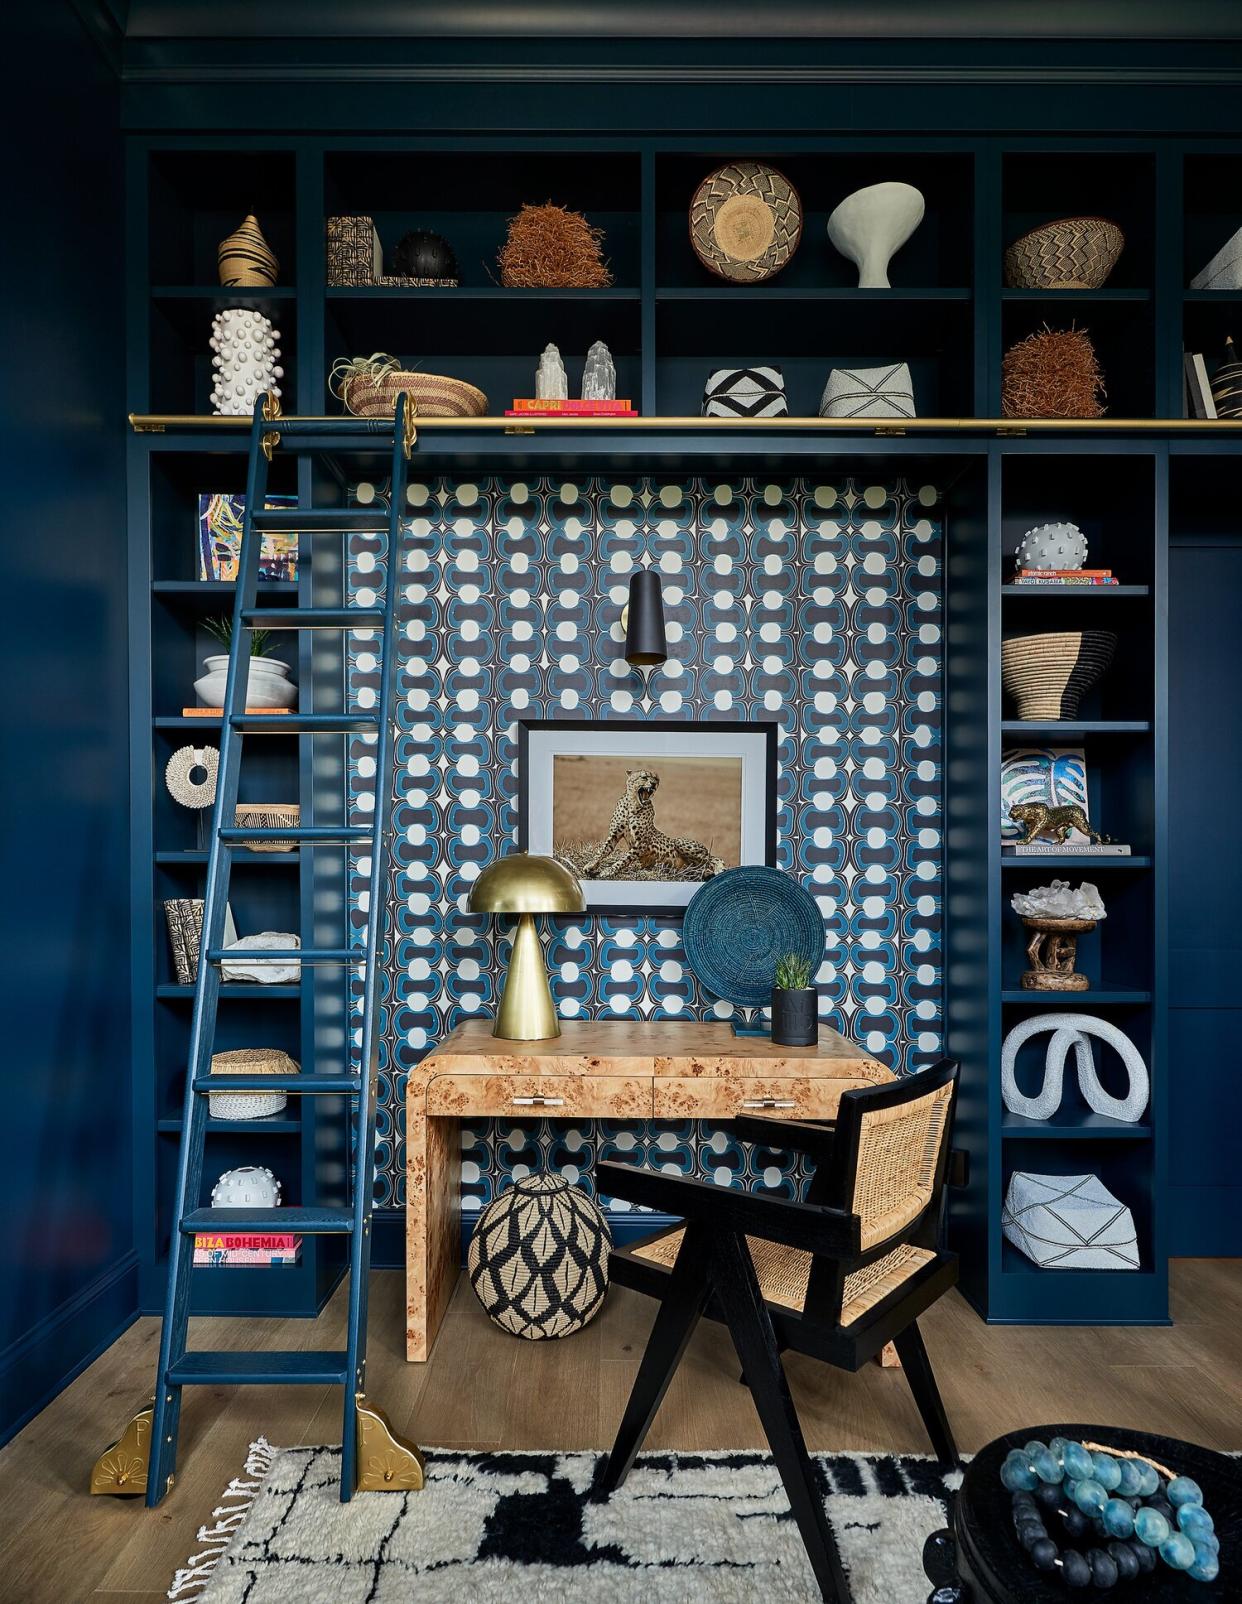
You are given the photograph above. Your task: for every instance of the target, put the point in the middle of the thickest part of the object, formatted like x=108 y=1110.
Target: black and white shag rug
x=519 y=1527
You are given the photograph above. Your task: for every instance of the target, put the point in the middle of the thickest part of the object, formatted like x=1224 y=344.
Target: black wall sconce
x=643 y=620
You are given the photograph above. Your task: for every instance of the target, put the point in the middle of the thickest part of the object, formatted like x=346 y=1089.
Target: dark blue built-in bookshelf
x=1130 y=485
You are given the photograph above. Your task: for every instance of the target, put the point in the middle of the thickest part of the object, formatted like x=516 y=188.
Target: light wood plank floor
x=483 y=1389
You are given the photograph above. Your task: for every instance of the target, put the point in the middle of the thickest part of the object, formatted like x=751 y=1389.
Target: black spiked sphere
x=644 y=633
x=422 y=254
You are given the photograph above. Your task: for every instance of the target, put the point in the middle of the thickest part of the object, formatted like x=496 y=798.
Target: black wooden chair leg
x=922 y=1379
x=755 y=1340
x=679 y=1312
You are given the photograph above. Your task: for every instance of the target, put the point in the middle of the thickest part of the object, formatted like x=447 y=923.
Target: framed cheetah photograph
x=642 y=812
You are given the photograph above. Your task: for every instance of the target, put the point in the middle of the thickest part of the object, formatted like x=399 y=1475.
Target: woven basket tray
x=268 y=816
x=249 y=1061
x=1075 y=253
x=434 y=396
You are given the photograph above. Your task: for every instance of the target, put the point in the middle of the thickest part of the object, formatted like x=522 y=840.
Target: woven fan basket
x=369 y=387
x=268 y=816
x=1047 y=674
x=1076 y=253
x=249 y=1061
x=538 y=1259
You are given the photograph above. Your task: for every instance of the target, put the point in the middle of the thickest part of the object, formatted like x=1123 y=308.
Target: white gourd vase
x=871 y=225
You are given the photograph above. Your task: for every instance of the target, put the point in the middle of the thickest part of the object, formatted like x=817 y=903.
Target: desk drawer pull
x=538 y=1102
x=768 y=1102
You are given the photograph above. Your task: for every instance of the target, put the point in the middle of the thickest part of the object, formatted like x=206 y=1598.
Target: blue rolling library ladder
x=373 y=1457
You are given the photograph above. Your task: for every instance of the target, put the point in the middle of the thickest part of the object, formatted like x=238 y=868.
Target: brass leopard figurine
x=1055 y=822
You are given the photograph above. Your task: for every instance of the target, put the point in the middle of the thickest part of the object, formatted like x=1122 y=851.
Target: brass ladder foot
x=122 y=1469
x=387 y=1462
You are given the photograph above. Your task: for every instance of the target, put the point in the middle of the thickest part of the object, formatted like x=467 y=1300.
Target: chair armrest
x=795 y=1225
x=795 y=1135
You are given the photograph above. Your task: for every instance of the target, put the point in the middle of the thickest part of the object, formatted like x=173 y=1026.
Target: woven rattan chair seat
x=784 y=1272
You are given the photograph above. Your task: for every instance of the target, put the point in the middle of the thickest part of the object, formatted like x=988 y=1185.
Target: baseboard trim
x=388 y=1234
x=41 y=1364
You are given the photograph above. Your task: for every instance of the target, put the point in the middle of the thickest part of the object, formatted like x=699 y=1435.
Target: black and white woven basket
x=538 y=1259
x=745 y=393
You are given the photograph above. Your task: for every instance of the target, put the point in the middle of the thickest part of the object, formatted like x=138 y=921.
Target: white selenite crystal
x=550 y=381
x=1060 y=901
x=599 y=377
x=267 y=971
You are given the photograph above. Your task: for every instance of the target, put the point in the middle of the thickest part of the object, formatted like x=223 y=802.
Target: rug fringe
x=191 y=1580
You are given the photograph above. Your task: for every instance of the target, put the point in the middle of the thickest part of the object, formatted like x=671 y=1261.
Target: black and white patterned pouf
x=538 y=1259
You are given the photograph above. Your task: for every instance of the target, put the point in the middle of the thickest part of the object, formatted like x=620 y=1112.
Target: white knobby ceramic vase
x=268 y=684
x=871 y=225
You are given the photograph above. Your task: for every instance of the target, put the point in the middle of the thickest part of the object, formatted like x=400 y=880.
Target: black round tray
x=991 y=1561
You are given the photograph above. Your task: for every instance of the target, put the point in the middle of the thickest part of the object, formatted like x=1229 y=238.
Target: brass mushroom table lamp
x=525 y=885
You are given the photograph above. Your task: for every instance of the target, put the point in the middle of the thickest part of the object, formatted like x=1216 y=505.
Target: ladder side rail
x=166 y=1418
x=373 y=954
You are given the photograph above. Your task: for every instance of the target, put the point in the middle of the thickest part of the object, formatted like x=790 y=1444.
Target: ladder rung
x=313 y=618
x=323 y=957
x=304 y=723
x=297 y=1085
x=311 y=1221
x=323 y=520
x=346 y=425
x=318 y=835
x=325 y=1367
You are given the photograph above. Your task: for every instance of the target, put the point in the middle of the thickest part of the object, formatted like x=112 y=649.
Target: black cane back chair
x=836 y=1277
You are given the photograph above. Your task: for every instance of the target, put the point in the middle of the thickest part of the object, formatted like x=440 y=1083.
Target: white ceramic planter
x=871 y=225
x=269 y=684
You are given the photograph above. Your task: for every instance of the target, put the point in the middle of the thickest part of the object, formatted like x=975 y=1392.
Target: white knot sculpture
x=1074 y=1030
x=244 y=357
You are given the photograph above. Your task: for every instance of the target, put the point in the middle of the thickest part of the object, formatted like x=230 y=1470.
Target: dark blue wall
x=68 y=1280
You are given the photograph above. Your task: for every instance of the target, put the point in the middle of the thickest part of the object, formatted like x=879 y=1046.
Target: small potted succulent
x=268 y=683
x=795 y=1003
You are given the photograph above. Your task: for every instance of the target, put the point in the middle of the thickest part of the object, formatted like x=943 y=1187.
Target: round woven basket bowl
x=1047 y=674
x=745 y=222
x=1074 y=253
x=249 y=1061
x=739 y=923
x=538 y=1259
x=434 y=396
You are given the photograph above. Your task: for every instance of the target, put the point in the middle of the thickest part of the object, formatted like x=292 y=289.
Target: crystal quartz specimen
x=1060 y=901
x=244 y=357
x=550 y=381
x=265 y=970
x=1052 y=546
x=599 y=377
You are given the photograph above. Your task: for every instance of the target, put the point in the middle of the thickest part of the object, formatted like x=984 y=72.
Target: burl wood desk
x=611 y=1069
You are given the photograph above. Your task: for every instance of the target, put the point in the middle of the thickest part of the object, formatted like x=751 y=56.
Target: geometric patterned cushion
x=538 y=1259
x=1069 y=1222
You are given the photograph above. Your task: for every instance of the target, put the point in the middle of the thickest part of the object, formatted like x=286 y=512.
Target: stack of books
x=570 y=409
x=1064 y=576
x=219 y=1250
x=1197 y=398
x=1067 y=849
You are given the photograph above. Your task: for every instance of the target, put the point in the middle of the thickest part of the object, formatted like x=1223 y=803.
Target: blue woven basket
x=740 y=922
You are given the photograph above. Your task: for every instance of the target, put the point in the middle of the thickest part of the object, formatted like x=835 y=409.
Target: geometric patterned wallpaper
x=813 y=602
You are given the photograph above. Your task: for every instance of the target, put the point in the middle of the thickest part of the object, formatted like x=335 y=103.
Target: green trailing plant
x=221 y=629
x=793 y=973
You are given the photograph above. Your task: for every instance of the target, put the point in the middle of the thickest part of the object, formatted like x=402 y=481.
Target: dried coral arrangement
x=1053 y=373
x=551 y=248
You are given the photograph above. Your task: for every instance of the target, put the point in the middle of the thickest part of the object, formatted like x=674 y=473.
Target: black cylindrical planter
x=645 y=644
x=795 y=1016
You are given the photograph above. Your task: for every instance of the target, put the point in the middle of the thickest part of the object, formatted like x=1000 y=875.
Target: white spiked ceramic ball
x=871 y=225
x=248 y=1187
x=1052 y=546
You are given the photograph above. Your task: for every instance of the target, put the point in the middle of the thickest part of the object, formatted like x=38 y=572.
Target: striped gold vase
x=1227 y=384
x=1047 y=674
x=245 y=258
